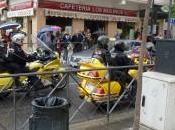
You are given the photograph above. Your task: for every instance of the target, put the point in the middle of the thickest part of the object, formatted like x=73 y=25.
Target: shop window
x=19 y=20
x=125 y=27
x=94 y=25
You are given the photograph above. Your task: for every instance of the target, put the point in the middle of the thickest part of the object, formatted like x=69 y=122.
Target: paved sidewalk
x=141 y=128
x=120 y=121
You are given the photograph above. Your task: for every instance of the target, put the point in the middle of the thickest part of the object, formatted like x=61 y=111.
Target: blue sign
x=172 y=20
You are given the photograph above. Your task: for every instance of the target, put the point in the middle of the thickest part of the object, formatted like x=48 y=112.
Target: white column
x=38 y=21
x=111 y=28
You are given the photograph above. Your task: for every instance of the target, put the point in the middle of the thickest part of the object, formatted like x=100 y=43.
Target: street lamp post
x=152 y=18
x=139 y=80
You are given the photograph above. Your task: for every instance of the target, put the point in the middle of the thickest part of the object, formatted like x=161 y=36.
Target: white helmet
x=18 y=38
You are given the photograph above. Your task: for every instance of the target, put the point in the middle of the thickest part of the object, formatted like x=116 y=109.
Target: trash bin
x=49 y=114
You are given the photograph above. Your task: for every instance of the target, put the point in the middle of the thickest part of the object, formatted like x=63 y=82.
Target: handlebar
x=44 y=55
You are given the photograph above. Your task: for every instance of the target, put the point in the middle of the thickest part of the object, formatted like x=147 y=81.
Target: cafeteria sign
x=85 y=8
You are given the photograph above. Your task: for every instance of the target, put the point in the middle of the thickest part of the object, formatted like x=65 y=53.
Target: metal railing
x=19 y=100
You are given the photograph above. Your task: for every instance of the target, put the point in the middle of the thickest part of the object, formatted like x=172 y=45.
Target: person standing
x=53 y=41
x=65 y=42
x=88 y=36
x=77 y=39
x=4 y=37
x=117 y=36
x=3 y=50
x=46 y=38
x=58 y=42
x=138 y=36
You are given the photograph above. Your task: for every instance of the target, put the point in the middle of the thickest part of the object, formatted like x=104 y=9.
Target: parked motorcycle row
x=95 y=85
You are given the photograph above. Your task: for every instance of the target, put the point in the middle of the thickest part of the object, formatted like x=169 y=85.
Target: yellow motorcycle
x=95 y=84
x=51 y=63
x=135 y=54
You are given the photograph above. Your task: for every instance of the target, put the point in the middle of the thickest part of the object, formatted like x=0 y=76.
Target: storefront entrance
x=59 y=21
x=94 y=25
x=125 y=29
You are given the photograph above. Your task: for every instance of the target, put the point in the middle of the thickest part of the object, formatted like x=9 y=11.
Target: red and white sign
x=85 y=8
x=21 y=6
x=3 y=4
x=92 y=16
x=20 y=13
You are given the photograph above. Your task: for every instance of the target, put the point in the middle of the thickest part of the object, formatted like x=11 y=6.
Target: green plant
x=173 y=11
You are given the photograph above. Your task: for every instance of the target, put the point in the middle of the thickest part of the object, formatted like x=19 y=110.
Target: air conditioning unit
x=158 y=101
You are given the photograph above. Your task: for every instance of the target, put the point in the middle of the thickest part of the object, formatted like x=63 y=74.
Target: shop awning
x=21 y=13
x=89 y=16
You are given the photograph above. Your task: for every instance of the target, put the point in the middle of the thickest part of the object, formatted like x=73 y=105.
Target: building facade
x=76 y=15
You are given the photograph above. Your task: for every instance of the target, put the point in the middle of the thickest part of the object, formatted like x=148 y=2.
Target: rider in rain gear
x=120 y=59
x=102 y=48
x=17 y=59
x=16 y=56
x=2 y=57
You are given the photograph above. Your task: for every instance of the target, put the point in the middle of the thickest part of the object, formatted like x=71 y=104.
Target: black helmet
x=103 y=42
x=119 y=46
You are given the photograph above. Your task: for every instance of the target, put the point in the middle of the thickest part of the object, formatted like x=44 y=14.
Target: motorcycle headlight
x=90 y=88
x=75 y=59
x=129 y=56
x=98 y=52
x=56 y=54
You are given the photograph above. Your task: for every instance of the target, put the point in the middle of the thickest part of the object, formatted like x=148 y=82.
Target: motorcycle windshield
x=44 y=46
